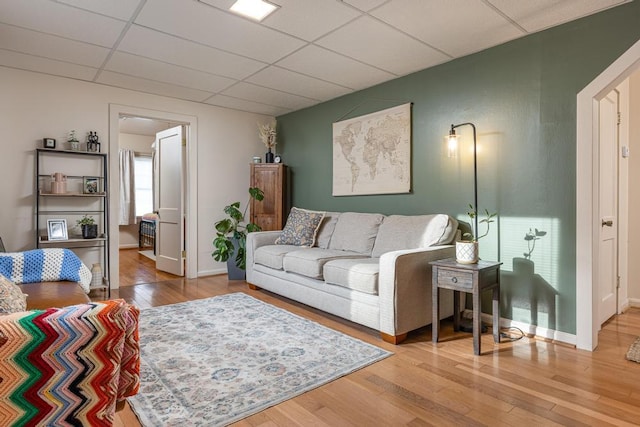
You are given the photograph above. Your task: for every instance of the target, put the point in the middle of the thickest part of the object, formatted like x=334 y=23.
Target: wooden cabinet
x=271 y=178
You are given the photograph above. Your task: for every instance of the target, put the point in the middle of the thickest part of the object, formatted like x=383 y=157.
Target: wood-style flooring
x=528 y=382
x=136 y=268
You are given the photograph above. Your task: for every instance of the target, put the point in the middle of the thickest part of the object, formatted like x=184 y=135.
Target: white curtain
x=127 y=187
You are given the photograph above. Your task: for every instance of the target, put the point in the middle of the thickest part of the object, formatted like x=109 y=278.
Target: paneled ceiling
x=307 y=52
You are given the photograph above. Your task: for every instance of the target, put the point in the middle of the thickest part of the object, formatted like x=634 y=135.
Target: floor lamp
x=452 y=150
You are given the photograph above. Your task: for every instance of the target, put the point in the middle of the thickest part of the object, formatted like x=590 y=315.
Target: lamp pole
x=452 y=132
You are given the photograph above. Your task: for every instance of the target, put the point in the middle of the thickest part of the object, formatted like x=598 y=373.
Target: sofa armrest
x=404 y=288
x=254 y=241
x=94 y=347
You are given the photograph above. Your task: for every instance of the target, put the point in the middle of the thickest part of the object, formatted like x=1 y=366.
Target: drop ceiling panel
x=65 y=21
x=162 y=47
x=121 y=9
x=52 y=47
x=432 y=22
x=148 y=86
x=160 y=71
x=251 y=92
x=298 y=84
x=46 y=66
x=540 y=14
x=309 y=19
x=244 y=105
x=365 y=5
x=326 y=65
x=205 y=24
x=377 y=44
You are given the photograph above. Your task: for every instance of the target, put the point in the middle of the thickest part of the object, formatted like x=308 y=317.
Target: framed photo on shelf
x=91 y=185
x=57 y=229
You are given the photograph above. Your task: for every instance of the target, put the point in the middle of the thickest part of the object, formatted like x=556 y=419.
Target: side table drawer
x=455 y=278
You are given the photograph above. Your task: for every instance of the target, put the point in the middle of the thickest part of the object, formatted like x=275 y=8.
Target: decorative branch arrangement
x=267 y=134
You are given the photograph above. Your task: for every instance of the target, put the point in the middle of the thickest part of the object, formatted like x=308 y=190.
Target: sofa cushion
x=327 y=226
x=301 y=228
x=12 y=300
x=356 y=232
x=272 y=255
x=309 y=262
x=357 y=274
x=413 y=231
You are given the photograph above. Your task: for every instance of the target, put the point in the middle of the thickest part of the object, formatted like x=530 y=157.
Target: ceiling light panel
x=253 y=9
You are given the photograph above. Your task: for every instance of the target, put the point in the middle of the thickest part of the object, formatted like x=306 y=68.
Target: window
x=144 y=184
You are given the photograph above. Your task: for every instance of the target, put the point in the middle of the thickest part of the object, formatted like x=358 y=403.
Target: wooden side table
x=470 y=278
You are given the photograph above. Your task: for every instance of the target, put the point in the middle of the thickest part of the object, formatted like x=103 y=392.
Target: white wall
x=34 y=106
x=634 y=189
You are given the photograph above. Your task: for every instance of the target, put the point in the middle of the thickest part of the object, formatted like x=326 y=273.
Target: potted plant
x=467 y=249
x=231 y=236
x=73 y=140
x=88 y=226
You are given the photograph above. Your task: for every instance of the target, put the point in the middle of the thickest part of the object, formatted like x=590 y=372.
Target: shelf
x=73 y=204
x=74 y=152
x=45 y=241
x=45 y=194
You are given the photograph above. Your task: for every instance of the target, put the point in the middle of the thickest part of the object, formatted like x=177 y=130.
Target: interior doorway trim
x=191 y=205
x=587 y=199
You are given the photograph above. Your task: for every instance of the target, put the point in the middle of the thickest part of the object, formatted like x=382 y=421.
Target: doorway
x=587 y=197
x=142 y=226
x=190 y=193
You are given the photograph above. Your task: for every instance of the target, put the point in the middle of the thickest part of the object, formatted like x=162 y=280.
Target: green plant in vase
x=231 y=232
x=88 y=226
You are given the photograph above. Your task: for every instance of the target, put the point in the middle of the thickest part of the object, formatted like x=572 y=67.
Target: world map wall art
x=372 y=153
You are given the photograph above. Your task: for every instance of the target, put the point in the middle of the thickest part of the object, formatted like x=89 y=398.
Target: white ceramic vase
x=96 y=276
x=467 y=252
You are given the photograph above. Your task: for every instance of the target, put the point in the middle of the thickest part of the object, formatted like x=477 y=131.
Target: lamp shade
x=452 y=144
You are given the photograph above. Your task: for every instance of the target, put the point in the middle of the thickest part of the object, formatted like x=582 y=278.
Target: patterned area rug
x=634 y=351
x=217 y=360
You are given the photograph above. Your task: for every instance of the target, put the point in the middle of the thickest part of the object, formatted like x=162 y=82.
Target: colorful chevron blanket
x=68 y=366
x=44 y=265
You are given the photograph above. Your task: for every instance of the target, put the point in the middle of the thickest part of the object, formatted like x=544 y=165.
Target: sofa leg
x=253 y=287
x=393 y=339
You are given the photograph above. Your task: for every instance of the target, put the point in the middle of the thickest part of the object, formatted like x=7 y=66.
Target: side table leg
x=456 y=311
x=496 y=313
x=476 y=322
x=435 y=310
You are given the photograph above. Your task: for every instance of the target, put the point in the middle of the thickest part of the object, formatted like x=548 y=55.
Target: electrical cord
x=508 y=333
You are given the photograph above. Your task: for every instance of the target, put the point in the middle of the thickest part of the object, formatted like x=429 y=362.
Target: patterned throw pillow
x=12 y=300
x=301 y=228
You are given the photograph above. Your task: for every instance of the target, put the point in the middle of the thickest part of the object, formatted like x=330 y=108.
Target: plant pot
x=467 y=252
x=75 y=145
x=90 y=231
x=233 y=272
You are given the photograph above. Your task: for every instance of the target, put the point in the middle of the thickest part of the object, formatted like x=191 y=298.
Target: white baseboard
x=213 y=272
x=633 y=302
x=128 y=246
x=529 y=329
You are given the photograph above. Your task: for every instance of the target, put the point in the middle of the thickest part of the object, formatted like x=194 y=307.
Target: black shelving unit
x=74 y=204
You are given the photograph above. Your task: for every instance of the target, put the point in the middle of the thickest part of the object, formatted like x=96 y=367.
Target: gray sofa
x=368 y=268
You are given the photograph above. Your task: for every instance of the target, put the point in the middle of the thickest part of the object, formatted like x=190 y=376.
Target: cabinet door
x=268 y=213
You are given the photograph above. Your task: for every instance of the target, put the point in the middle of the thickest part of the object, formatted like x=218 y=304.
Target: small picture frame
x=91 y=185
x=57 y=229
x=49 y=143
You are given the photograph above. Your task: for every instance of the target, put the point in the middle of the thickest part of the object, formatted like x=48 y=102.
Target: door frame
x=191 y=196
x=587 y=199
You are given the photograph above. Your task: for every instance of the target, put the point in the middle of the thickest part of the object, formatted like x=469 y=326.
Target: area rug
x=634 y=351
x=215 y=361
x=148 y=253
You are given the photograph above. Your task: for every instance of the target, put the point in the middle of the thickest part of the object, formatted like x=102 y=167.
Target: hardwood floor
x=524 y=383
x=136 y=268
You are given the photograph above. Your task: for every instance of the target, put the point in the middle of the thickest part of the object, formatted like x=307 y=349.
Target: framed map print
x=372 y=153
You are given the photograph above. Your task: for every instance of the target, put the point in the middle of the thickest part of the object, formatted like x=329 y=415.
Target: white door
x=608 y=262
x=169 y=184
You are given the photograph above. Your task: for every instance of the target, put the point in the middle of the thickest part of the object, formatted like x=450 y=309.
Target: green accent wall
x=522 y=98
